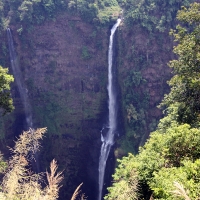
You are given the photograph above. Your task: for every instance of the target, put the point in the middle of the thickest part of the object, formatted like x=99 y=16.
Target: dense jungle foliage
x=151 y=14
x=168 y=165
x=30 y=12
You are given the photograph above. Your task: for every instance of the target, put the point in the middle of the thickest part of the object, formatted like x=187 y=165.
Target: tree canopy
x=29 y=12
x=170 y=156
x=153 y=15
x=185 y=84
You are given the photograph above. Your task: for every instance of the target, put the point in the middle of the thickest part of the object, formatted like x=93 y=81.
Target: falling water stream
x=19 y=81
x=108 y=139
x=23 y=92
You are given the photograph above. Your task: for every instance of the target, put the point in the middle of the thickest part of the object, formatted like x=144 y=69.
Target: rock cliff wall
x=64 y=65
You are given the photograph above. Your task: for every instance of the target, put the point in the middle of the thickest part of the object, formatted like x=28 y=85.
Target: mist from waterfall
x=19 y=81
x=108 y=138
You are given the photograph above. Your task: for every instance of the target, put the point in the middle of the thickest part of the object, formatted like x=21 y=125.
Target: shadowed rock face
x=149 y=55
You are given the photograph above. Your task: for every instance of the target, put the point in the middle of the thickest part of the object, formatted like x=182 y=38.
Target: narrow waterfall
x=108 y=139
x=19 y=81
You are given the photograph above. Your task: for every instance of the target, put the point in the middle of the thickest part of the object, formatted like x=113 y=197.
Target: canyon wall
x=64 y=65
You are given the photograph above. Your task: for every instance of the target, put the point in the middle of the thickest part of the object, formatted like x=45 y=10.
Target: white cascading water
x=18 y=78
x=23 y=94
x=108 y=139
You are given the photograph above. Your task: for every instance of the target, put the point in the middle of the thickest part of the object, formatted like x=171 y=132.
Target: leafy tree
x=125 y=181
x=30 y=12
x=168 y=156
x=6 y=103
x=187 y=174
x=185 y=84
x=149 y=13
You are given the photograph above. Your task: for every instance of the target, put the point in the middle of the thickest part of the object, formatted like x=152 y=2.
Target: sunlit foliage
x=6 y=103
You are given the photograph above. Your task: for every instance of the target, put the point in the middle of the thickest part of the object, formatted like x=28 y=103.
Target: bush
x=19 y=182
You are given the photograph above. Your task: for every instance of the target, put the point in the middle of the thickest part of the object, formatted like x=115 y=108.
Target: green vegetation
x=185 y=84
x=6 y=103
x=29 y=12
x=153 y=15
x=168 y=165
x=126 y=181
x=99 y=11
x=85 y=54
x=168 y=156
x=135 y=102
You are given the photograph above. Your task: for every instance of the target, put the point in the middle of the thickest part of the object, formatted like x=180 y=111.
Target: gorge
x=63 y=56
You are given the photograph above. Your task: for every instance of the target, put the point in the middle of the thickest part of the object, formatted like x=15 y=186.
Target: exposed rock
x=64 y=64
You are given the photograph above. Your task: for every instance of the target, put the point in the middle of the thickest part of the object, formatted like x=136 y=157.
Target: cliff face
x=142 y=73
x=64 y=64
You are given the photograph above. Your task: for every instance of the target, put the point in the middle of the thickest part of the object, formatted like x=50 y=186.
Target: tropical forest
x=99 y=100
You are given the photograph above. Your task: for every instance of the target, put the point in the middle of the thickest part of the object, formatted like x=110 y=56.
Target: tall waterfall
x=18 y=78
x=108 y=139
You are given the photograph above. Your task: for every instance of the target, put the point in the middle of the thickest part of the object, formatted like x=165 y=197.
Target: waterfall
x=108 y=139
x=19 y=81
x=23 y=92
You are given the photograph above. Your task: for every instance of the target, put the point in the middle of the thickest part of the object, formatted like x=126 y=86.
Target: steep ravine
x=64 y=64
